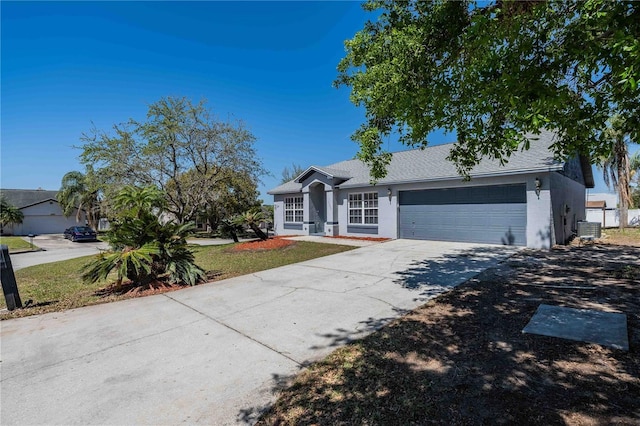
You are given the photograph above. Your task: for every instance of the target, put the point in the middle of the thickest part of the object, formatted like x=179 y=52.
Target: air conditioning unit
x=593 y=229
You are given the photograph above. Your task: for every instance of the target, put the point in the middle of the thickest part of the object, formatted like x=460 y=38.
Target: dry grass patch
x=462 y=358
x=627 y=236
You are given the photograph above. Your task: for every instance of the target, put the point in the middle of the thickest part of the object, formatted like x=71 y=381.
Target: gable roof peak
x=330 y=172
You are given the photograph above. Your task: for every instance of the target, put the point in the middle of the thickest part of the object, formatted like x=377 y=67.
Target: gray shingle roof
x=21 y=198
x=431 y=164
x=329 y=171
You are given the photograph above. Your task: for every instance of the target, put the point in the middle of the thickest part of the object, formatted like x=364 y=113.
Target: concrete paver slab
x=213 y=354
x=583 y=325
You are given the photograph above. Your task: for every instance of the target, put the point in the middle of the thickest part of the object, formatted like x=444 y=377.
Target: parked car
x=80 y=233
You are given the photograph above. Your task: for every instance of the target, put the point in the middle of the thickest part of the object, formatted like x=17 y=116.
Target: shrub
x=143 y=248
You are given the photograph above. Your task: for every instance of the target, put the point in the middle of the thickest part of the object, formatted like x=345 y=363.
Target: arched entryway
x=317 y=209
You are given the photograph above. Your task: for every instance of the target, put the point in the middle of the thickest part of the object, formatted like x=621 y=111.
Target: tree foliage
x=181 y=149
x=9 y=214
x=235 y=192
x=493 y=72
x=289 y=174
x=143 y=248
x=79 y=192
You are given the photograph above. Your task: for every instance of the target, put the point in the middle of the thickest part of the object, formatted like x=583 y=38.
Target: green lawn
x=57 y=286
x=15 y=243
x=635 y=231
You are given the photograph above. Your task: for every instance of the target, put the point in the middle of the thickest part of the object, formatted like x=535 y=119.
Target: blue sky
x=271 y=64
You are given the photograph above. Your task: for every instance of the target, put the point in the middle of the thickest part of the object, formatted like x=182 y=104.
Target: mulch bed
x=462 y=358
x=159 y=286
x=130 y=289
x=270 y=244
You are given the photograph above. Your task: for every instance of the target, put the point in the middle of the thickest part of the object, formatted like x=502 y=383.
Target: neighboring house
x=531 y=201
x=603 y=208
x=42 y=212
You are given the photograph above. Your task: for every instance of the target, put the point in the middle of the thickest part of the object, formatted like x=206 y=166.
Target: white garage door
x=47 y=224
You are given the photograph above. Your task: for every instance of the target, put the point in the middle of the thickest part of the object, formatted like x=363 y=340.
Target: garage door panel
x=500 y=219
x=47 y=224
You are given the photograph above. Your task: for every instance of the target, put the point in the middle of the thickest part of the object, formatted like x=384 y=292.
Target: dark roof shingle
x=21 y=198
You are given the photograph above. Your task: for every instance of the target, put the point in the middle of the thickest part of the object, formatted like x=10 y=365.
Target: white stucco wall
x=44 y=218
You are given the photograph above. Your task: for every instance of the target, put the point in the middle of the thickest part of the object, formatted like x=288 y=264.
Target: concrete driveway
x=217 y=353
x=54 y=248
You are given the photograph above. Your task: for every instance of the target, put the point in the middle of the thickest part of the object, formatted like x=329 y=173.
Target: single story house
x=42 y=212
x=533 y=200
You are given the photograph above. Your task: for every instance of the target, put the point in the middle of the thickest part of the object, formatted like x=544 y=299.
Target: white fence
x=611 y=217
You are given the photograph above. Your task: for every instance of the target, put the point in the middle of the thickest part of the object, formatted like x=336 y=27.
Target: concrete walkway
x=216 y=353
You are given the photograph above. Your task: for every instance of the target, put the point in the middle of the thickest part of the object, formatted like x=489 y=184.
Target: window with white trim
x=293 y=209
x=363 y=208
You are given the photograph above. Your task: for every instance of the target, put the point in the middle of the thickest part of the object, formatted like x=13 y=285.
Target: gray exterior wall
x=543 y=229
x=316 y=177
x=566 y=192
x=387 y=214
x=279 y=226
x=539 y=222
x=319 y=192
x=317 y=208
x=573 y=170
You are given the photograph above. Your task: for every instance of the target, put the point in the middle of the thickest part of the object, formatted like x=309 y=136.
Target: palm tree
x=253 y=219
x=76 y=194
x=142 y=248
x=138 y=201
x=634 y=166
x=616 y=169
x=9 y=214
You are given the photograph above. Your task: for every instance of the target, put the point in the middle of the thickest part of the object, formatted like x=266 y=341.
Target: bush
x=142 y=248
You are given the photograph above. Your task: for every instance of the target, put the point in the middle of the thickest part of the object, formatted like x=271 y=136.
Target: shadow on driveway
x=434 y=276
x=465 y=360
x=424 y=280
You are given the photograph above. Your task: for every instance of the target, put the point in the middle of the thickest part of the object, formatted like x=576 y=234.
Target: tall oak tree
x=181 y=149
x=493 y=72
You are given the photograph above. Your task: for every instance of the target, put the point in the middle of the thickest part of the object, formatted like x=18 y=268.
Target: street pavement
x=55 y=248
x=217 y=353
